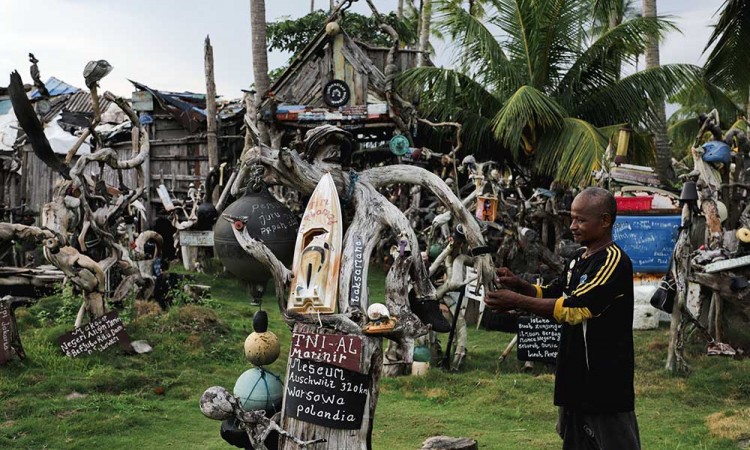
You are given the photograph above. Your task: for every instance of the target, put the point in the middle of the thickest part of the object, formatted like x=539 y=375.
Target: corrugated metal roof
x=55 y=87
x=80 y=102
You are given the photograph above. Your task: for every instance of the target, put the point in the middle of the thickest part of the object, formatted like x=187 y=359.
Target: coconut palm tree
x=531 y=80
x=661 y=141
x=724 y=85
x=729 y=59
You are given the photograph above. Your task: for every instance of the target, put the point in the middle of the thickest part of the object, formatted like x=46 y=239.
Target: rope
x=353 y=178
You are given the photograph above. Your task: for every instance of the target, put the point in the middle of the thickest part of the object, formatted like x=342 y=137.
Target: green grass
x=195 y=348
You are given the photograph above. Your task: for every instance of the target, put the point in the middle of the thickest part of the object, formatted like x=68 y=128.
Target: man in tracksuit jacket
x=593 y=299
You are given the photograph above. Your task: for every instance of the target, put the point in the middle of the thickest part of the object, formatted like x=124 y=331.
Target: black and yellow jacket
x=595 y=305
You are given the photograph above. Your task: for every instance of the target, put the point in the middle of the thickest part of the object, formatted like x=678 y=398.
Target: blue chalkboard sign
x=648 y=240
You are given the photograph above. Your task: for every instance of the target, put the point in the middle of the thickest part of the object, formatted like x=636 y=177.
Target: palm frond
x=518 y=20
x=604 y=10
x=527 y=109
x=594 y=67
x=572 y=153
x=560 y=43
x=449 y=95
x=631 y=99
x=704 y=95
x=727 y=63
x=474 y=43
x=441 y=87
x=682 y=134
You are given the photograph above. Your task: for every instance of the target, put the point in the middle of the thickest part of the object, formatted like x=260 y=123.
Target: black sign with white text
x=538 y=339
x=97 y=335
x=325 y=395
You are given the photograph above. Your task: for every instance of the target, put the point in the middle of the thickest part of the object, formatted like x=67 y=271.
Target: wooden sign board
x=339 y=350
x=97 y=335
x=6 y=333
x=197 y=238
x=325 y=395
x=538 y=339
x=727 y=264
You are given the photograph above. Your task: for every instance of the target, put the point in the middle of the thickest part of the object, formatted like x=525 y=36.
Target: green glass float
x=422 y=353
x=259 y=389
x=399 y=145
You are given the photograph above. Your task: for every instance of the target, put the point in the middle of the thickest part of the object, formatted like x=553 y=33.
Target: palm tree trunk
x=400 y=10
x=260 y=59
x=661 y=141
x=312 y=6
x=424 y=32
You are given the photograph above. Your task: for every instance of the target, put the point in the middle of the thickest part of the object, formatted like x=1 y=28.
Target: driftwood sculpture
x=83 y=204
x=718 y=268
x=371 y=215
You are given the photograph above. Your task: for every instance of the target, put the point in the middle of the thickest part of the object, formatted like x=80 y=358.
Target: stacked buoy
x=256 y=388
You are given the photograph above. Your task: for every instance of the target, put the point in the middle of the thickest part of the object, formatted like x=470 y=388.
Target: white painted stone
x=645 y=316
x=694 y=299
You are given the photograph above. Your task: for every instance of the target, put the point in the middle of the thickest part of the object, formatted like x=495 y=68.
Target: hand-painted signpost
x=324 y=383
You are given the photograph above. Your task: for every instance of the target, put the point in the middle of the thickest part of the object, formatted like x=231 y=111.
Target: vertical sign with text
x=6 y=332
x=357 y=282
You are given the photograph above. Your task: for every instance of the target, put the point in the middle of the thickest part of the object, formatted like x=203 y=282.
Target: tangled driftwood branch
x=218 y=404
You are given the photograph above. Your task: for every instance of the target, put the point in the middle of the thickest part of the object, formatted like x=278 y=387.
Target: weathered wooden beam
x=213 y=148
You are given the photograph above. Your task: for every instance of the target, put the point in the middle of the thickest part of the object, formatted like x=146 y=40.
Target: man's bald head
x=600 y=200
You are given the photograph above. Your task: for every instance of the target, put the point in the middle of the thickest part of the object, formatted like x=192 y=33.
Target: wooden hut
x=335 y=80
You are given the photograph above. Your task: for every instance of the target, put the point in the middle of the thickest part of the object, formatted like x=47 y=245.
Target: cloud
x=160 y=43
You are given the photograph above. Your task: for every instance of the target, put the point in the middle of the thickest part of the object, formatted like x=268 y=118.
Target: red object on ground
x=639 y=203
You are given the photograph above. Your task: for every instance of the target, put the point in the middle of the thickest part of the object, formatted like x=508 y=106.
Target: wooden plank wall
x=38 y=180
x=176 y=158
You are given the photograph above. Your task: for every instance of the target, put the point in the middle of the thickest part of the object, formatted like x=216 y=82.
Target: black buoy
x=260 y=322
x=268 y=220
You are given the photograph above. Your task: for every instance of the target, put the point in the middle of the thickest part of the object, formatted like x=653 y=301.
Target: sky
x=160 y=42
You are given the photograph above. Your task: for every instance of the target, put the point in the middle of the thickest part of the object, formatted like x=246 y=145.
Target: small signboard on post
x=538 y=339
x=97 y=335
x=325 y=385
